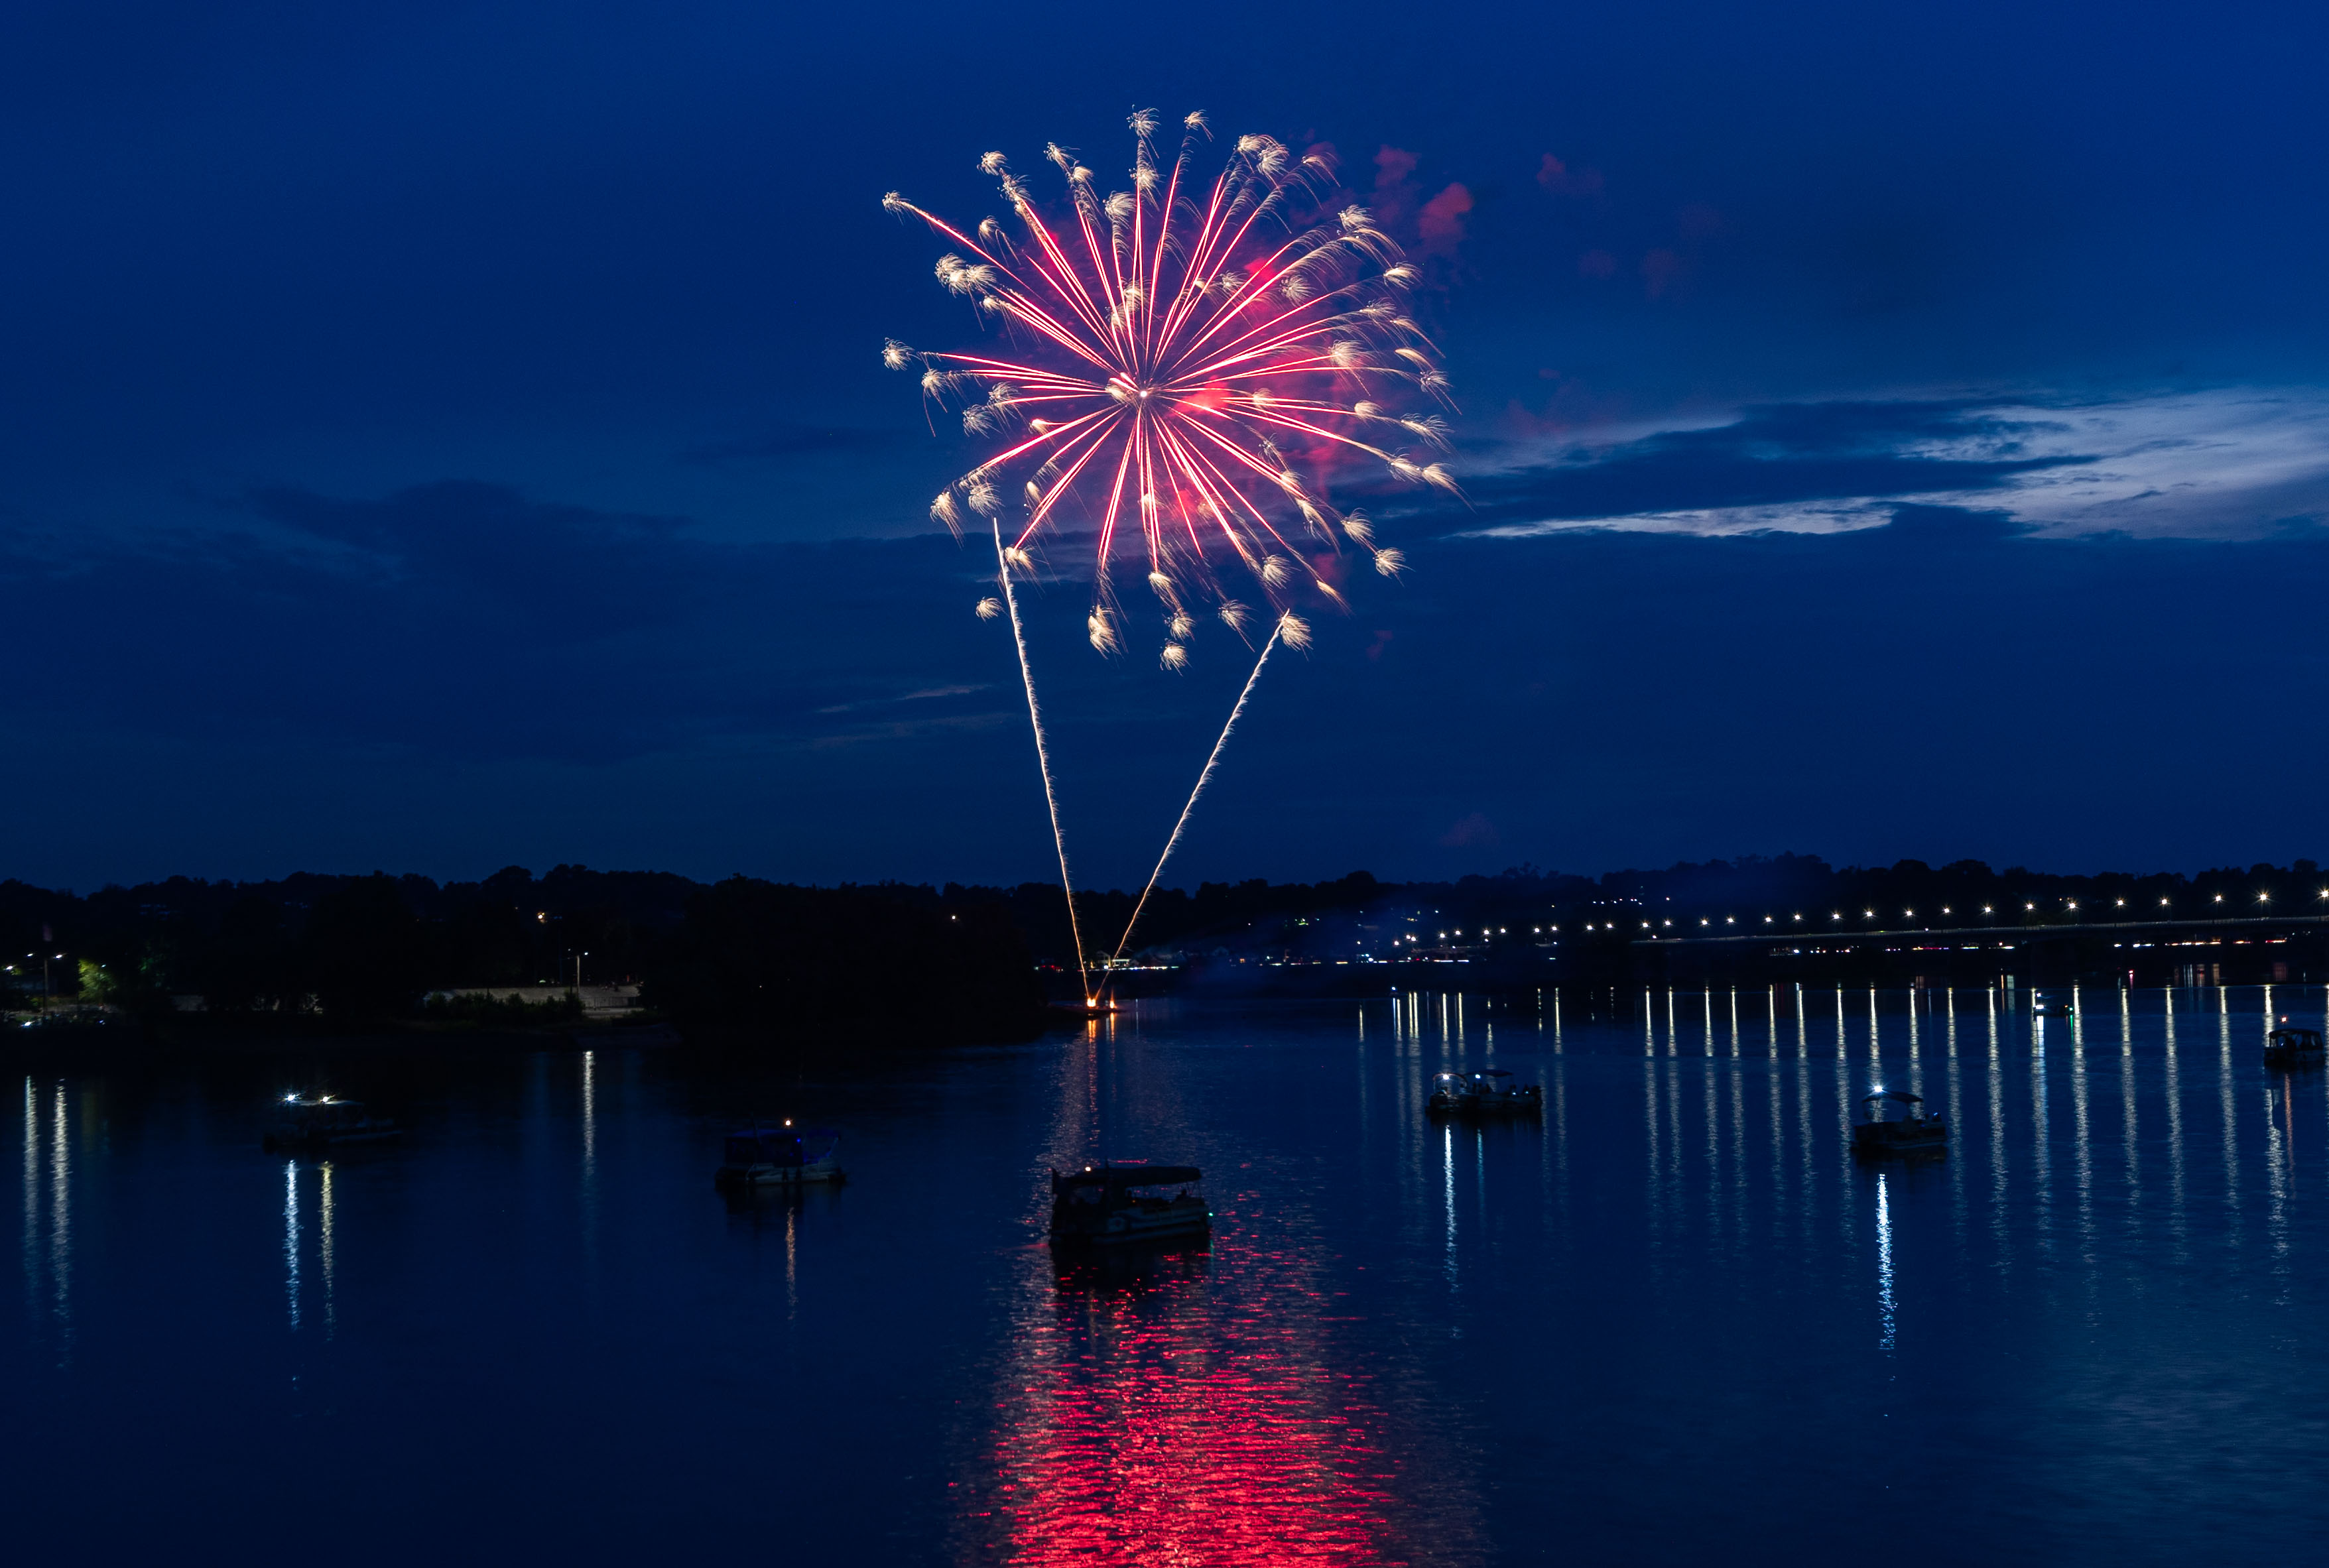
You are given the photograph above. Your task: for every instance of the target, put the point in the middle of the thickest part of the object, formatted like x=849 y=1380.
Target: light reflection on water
x=1672 y=1315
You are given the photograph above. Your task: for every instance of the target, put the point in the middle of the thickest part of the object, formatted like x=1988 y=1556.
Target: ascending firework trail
x=1193 y=359
x=1290 y=631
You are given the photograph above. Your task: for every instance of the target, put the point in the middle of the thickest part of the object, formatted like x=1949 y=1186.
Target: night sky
x=434 y=436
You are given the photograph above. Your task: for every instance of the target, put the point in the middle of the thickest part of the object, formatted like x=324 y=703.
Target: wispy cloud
x=2229 y=463
x=922 y=696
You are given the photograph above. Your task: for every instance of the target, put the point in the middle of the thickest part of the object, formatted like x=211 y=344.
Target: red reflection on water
x=1144 y=1424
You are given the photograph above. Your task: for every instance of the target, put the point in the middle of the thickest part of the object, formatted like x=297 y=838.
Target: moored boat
x=2289 y=1048
x=1911 y=1132
x=1484 y=1094
x=326 y=1122
x=783 y=1156
x=1112 y=1204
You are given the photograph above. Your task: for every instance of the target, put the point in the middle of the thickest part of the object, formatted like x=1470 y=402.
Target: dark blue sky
x=438 y=435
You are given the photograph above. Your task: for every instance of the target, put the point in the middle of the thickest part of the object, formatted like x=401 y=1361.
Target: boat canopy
x=1121 y=1176
x=1892 y=1094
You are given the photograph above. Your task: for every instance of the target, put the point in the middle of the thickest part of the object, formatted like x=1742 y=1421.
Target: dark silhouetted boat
x=1113 y=1204
x=2289 y=1048
x=1911 y=1132
x=326 y=1122
x=1485 y=1093
x=782 y=1156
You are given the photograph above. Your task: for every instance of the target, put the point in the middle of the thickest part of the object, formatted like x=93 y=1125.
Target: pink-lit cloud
x=1560 y=179
x=1441 y=221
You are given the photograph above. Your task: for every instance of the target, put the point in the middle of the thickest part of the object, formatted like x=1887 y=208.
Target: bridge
x=2146 y=943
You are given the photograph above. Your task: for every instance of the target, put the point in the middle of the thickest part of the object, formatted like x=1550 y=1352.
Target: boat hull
x=817 y=1172
x=1134 y=1235
x=1880 y=1138
x=1126 y=1227
x=1475 y=1106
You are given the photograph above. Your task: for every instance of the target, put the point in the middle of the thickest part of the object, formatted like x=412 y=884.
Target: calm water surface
x=1673 y=1323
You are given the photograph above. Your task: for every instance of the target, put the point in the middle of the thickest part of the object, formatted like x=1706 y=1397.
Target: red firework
x=1190 y=358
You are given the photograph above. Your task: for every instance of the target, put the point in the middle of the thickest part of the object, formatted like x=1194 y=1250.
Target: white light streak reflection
x=325 y=1243
x=61 y=1211
x=2174 y=1090
x=1447 y=1187
x=1884 y=1305
x=291 y=1239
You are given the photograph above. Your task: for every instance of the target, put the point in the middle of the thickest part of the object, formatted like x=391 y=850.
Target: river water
x=1673 y=1323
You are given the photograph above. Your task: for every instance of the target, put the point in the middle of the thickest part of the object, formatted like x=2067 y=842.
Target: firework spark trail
x=1042 y=759
x=1197 y=358
x=1290 y=630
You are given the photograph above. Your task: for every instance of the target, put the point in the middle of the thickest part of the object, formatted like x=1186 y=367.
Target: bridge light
x=2073 y=903
x=1986 y=909
x=1871 y=914
x=2030 y=906
x=2220 y=897
x=2163 y=903
x=1766 y=920
x=2264 y=897
x=1799 y=918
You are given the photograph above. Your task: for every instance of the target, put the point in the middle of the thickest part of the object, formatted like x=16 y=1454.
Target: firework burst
x=1186 y=362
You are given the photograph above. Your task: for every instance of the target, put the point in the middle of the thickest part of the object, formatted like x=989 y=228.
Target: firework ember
x=1188 y=361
